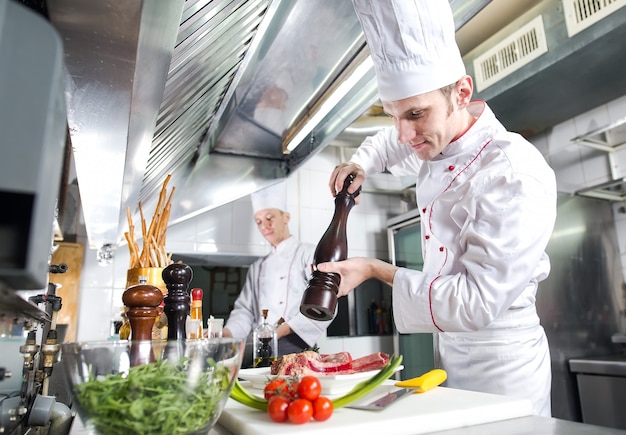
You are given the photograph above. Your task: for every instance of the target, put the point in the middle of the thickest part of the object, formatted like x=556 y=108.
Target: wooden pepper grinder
x=142 y=301
x=320 y=298
x=177 y=301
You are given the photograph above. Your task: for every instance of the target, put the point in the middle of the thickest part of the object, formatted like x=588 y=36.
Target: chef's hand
x=283 y=330
x=339 y=175
x=355 y=270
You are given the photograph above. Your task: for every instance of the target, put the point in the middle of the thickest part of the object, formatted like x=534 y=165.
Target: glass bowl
x=152 y=387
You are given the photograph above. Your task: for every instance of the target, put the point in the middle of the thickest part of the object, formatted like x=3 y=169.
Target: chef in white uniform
x=277 y=281
x=487 y=200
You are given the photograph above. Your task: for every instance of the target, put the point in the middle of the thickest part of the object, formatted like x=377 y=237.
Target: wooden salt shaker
x=320 y=298
x=142 y=301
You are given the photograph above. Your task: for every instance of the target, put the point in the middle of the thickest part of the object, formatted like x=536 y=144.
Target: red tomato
x=277 y=408
x=292 y=389
x=276 y=386
x=309 y=388
x=300 y=411
x=322 y=408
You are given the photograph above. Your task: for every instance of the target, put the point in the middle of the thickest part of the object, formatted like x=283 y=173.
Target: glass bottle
x=264 y=343
x=195 y=324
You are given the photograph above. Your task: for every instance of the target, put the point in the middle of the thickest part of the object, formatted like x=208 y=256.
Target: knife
x=420 y=384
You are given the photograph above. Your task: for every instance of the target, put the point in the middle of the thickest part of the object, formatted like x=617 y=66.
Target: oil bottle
x=264 y=343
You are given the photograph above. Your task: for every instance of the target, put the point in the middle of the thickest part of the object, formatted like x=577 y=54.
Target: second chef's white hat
x=274 y=196
x=412 y=45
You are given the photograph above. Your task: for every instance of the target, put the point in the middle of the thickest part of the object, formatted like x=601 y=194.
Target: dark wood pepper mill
x=320 y=298
x=177 y=301
x=142 y=301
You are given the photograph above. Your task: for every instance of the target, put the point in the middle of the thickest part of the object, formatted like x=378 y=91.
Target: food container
x=152 y=387
x=153 y=276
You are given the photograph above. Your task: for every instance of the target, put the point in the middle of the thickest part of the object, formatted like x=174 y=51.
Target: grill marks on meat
x=316 y=364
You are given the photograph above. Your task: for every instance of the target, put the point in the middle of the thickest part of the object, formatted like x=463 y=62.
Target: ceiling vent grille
x=580 y=14
x=513 y=52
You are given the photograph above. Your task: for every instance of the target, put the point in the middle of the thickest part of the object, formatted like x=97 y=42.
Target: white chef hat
x=412 y=45
x=274 y=196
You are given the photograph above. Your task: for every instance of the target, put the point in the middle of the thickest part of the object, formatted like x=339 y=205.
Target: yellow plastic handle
x=425 y=382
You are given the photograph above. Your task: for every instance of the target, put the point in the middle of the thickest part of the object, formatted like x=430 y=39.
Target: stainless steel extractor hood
x=581 y=69
x=209 y=91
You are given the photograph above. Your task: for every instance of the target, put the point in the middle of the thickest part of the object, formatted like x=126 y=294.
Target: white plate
x=331 y=384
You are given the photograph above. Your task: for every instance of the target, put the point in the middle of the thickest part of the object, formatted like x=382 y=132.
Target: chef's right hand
x=339 y=175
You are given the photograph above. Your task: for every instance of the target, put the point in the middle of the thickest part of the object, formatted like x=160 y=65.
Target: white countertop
x=444 y=411
x=436 y=410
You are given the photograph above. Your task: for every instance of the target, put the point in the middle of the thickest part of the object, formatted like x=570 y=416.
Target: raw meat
x=316 y=364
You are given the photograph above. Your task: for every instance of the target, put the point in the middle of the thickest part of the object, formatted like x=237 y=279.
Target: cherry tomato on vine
x=277 y=407
x=322 y=408
x=309 y=388
x=300 y=411
x=276 y=386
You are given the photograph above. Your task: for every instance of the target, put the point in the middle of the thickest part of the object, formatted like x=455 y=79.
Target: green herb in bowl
x=173 y=396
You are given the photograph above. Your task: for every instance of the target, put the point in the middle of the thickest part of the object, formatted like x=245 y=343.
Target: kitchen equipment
x=177 y=302
x=195 y=376
x=420 y=384
x=601 y=382
x=320 y=298
x=404 y=235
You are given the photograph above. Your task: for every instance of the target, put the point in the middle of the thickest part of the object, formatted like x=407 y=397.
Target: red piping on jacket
x=430 y=289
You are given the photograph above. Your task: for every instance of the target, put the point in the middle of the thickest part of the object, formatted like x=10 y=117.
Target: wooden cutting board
x=438 y=409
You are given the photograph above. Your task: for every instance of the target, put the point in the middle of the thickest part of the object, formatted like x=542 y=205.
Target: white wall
x=230 y=229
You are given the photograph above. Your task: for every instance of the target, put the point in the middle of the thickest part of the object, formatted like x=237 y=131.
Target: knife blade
x=420 y=384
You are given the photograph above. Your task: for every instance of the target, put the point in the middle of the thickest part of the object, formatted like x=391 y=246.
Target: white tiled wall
x=230 y=229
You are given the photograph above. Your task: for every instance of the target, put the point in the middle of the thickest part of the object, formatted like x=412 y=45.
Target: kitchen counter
x=531 y=425
x=441 y=411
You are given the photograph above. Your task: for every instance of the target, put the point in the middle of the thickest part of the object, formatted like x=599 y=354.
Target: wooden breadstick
x=153 y=252
x=143 y=221
x=154 y=258
x=131 y=248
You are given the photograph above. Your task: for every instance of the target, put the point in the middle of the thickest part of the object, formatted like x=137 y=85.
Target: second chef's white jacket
x=277 y=282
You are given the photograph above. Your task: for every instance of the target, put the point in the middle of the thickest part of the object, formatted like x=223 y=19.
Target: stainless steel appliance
x=405 y=250
x=602 y=389
x=33 y=124
x=581 y=303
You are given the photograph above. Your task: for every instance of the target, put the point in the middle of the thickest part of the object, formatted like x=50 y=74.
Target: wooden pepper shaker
x=177 y=301
x=320 y=298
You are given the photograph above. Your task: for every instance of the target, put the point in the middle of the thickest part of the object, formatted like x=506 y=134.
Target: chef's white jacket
x=488 y=207
x=277 y=282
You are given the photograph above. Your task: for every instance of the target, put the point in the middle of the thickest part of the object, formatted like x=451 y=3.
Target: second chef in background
x=277 y=281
